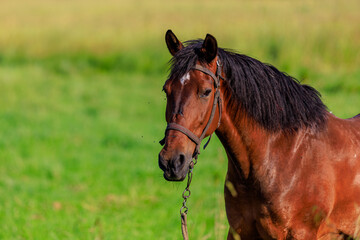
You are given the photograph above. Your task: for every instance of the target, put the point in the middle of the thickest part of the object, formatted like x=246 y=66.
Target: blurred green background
x=82 y=109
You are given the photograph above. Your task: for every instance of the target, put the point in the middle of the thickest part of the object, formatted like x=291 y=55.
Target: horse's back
x=357 y=116
x=350 y=126
x=344 y=137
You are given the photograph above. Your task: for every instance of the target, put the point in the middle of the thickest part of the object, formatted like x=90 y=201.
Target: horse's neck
x=244 y=140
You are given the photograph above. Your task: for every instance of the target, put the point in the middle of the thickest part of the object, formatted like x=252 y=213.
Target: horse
x=293 y=166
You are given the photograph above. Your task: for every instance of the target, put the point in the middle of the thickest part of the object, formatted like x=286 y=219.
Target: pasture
x=82 y=109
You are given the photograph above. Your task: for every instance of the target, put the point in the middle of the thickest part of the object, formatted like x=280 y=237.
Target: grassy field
x=82 y=110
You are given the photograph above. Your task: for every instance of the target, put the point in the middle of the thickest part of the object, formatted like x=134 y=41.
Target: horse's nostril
x=178 y=163
x=182 y=159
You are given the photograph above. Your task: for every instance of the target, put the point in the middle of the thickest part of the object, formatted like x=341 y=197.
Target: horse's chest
x=246 y=211
x=267 y=223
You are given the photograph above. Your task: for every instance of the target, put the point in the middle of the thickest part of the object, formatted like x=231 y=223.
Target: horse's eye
x=206 y=93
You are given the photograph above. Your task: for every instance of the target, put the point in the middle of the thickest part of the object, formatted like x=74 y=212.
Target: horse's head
x=193 y=107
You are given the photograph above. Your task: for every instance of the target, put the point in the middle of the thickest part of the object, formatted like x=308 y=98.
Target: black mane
x=275 y=100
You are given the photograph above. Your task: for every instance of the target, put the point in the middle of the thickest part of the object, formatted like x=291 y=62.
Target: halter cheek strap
x=217 y=101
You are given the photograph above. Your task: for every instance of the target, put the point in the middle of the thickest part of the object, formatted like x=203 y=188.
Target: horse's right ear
x=209 y=48
x=173 y=44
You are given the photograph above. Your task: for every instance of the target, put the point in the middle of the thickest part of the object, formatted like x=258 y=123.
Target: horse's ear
x=173 y=44
x=209 y=48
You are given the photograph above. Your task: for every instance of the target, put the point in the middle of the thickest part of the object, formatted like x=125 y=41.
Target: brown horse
x=293 y=167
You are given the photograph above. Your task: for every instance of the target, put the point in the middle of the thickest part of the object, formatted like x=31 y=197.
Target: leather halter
x=217 y=101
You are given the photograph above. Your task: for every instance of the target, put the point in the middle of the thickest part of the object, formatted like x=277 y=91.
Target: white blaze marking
x=185 y=78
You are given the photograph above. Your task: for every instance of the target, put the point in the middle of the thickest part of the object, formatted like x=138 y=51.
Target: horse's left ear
x=209 y=48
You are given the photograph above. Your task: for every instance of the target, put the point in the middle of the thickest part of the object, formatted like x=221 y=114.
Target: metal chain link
x=185 y=195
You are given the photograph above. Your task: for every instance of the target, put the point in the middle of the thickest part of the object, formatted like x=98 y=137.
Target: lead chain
x=186 y=194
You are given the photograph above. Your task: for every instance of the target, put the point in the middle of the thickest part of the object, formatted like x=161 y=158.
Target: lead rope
x=184 y=209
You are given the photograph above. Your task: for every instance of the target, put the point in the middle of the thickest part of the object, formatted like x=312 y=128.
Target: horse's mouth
x=174 y=178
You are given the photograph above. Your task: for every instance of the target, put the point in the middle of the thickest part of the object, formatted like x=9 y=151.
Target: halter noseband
x=217 y=101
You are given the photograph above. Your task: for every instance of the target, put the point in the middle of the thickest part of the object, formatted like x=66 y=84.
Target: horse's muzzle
x=175 y=167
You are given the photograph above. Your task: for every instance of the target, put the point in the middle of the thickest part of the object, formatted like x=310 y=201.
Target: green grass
x=82 y=110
